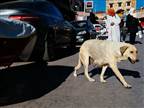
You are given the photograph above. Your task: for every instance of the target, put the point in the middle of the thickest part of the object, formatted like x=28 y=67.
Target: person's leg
x=132 y=38
x=123 y=35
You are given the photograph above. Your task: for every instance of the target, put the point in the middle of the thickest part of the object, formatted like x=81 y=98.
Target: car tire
x=37 y=53
x=72 y=45
x=49 y=46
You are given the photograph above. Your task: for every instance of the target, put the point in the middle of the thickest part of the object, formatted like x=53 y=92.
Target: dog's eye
x=136 y=51
x=131 y=51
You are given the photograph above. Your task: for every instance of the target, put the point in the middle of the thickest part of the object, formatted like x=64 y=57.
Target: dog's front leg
x=87 y=75
x=102 y=74
x=119 y=75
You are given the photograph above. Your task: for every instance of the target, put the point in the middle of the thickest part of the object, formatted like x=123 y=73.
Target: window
x=111 y=5
x=127 y=10
x=48 y=8
x=119 y=4
x=128 y=3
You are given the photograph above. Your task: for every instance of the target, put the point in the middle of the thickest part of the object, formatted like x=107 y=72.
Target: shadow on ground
x=136 y=42
x=31 y=81
x=59 y=53
x=109 y=73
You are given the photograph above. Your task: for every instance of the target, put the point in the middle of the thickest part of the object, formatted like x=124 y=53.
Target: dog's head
x=130 y=52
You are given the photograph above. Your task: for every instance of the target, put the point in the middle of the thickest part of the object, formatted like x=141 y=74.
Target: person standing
x=121 y=14
x=132 y=24
x=112 y=25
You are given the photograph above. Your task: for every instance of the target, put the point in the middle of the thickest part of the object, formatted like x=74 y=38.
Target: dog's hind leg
x=77 y=67
x=86 y=64
x=102 y=74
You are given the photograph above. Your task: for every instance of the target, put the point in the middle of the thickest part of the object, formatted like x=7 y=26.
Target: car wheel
x=49 y=46
x=72 y=45
x=37 y=53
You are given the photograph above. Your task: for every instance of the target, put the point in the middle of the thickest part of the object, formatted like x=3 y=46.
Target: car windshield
x=50 y=9
x=40 y=6
x=83 y=24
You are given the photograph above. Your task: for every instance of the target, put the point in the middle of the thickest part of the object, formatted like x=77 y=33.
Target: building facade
x=95 y=5
x=99 y=7
x=121 y=4
x=103 y=5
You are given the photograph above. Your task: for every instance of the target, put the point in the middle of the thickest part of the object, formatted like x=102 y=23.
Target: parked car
x=66 y=8
x=142 y=22
x=84 y=30
x=51 y=27
x=101 y=31
x=140 y=32
x=17 y=40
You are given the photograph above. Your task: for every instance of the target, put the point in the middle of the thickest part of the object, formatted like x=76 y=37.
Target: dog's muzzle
x=133 y=61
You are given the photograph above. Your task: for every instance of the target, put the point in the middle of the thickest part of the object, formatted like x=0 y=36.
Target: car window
x=13 y=5
x=82 y=24
x=79 y=24
x=48 y=8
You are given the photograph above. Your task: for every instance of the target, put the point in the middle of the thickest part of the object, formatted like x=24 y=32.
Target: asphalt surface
x=54 y=86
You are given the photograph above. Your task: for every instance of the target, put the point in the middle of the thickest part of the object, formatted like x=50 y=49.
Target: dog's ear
x=123 y=49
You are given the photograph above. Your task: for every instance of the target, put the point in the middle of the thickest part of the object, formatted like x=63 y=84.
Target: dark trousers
x=132 y=37
x=123 y=33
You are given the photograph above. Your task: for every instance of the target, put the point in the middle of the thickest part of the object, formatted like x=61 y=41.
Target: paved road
x=53 y=86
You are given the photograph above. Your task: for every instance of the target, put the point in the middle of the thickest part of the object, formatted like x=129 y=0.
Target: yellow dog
x=105 y=54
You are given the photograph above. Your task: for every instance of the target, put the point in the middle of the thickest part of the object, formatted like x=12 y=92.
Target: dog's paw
x=91 y=80
x=75 y=75
x=128 y=86
x=103 y=81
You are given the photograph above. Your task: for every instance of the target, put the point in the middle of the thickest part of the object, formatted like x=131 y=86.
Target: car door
x=54 y=21
x=64 y=33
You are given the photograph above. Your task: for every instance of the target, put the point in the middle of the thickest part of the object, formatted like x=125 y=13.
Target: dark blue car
x=17 y=40
x=52 y=29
